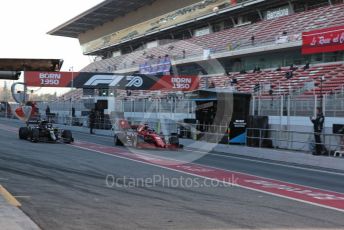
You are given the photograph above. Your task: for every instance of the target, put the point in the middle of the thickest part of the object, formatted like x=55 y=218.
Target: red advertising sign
x=177 y=83
x=323 y=40
x=49 y=79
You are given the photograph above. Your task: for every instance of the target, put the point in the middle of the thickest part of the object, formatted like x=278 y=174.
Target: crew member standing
x=318 y=124
x=47 y=112
x=92 y=120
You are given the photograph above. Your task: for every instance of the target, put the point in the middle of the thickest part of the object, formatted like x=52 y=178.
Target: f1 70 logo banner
x=323 y=40
x=135 y=81
x=106 y=80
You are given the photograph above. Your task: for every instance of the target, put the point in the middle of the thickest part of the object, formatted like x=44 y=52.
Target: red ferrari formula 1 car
x=142 y=136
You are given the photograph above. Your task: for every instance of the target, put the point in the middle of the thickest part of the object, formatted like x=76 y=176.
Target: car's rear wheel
x=67 y=136
x=35 y=135
x=23 y=133
x=174 y=140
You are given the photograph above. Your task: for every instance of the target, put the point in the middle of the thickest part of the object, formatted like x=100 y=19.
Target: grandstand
x=235 y=38
x=257 y=43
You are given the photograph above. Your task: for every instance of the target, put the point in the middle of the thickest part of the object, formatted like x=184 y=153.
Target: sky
x=24 y=25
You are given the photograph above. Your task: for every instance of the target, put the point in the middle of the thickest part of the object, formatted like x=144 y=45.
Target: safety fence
x=277 y=105
x=333 y=144
x=127 y=106
x=284 y=105
x=155 y=106
x=60 y=107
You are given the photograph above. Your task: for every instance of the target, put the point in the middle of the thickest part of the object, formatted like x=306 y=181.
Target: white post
x=315 y=105
x=324 y=97
x=5 y=98
x=259 y=105
x=253 y=105
x=134 y=108
x=281 y=119
x=281 y=110
x=175 y=107
x=71 y=69
x=288 y=111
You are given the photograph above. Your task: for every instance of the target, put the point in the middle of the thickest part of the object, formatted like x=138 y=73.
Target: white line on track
x=267 y=162
x=251 y=160
x=228 y=170
x=208 y=178
x=23 y=197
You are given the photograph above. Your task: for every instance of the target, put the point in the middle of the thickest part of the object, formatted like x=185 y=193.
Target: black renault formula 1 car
x=44 y=131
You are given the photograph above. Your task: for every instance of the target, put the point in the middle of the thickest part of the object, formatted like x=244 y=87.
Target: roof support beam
x=104 y=12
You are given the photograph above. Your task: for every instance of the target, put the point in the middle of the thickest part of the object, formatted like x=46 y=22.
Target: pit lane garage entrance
x=220 y=108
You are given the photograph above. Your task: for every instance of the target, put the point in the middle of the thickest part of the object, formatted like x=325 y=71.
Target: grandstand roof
x=104 y=12
x=20 y=64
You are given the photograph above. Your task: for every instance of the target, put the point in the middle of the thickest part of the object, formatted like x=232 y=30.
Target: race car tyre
x=174 y=140
x=135 y=141
x=35 y=135
x=117 y=141
x=67 y=136
x=23 y=133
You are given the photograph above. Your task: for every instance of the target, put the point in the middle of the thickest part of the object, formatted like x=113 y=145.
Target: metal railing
x=293 y=140
x=284 y=105
x=277 y=105
x=61 y=106
x=226 y=48
x=155 y=106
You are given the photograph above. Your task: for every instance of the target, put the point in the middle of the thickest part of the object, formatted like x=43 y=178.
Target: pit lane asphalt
x=63 y=187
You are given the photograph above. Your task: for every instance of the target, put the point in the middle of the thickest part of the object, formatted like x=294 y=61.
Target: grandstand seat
x=280 y=85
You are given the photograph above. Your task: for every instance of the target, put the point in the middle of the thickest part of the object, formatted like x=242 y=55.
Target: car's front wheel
x=117 y=141
x=23 y=133
x=35 y=135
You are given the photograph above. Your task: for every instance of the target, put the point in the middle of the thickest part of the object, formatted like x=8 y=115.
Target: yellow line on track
x=9 y=197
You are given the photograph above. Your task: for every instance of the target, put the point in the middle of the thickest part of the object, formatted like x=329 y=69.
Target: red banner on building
x=323 y=40
x=177 y=83
x=49 y=79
